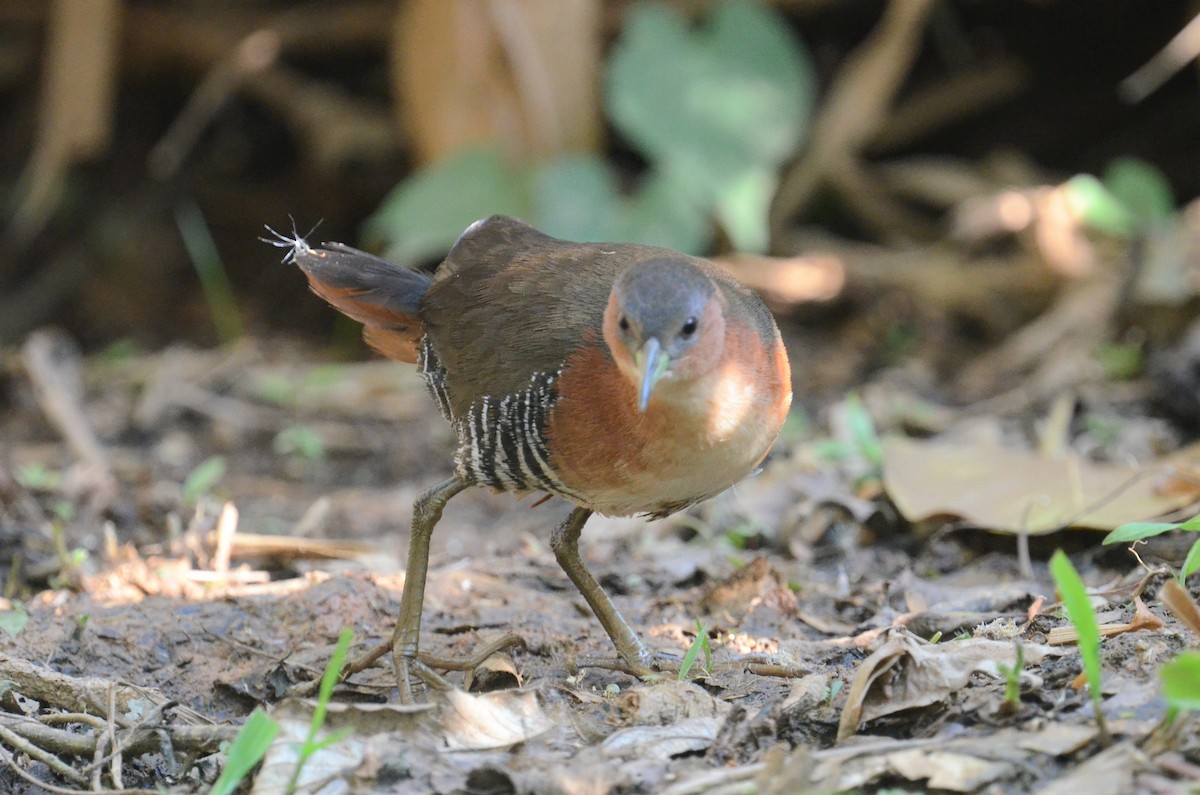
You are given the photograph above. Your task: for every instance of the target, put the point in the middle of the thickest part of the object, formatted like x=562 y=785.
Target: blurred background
x=975 y=220
x=145 y=144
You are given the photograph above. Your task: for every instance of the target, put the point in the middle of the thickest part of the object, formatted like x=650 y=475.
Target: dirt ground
x=807 y=566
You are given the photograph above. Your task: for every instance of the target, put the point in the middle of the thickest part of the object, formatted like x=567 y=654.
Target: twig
x=45 y=757
x=1184 y=47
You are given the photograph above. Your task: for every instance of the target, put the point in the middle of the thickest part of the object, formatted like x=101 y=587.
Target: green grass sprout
x=328 y=679
x=246 y=751
x=1079 y=611
x=201 y=480
x=1191 y=563
x=1012 y=677
x=693 y=652
x=1181 y=682
x=202 y=250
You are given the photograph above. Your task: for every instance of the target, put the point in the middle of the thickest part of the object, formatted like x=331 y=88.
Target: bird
x=627 y=379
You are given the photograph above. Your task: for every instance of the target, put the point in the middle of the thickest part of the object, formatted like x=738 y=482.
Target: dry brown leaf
x=491 y=720
x=1109 y=772
x=1017 y=491
x=1180 y=602
x=497 y=672
x=1142 y=619
x=660 y=742
x=905 y=673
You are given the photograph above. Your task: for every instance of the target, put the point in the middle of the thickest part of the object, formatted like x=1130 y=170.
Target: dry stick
x=133 y=735
x=1184 y=47
x=200 y=739
x=50 y=760
x=58 y=390
x=856 y=108
x=6 y=757
x=255 y=53
x=111 y=738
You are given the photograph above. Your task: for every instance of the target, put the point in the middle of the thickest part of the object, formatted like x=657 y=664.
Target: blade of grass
x=329 y=679
x=202 y=250
x=693 y=652
x=1181 y=681
x=1079 y=610
x=246 y=751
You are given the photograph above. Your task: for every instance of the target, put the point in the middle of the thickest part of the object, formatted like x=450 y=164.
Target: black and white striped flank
x=501 y=443
x=431 y=369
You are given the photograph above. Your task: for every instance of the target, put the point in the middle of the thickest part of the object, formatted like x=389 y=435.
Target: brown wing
x=385 y=298
x=509 y=302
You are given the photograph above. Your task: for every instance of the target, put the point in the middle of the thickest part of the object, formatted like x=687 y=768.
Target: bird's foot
x=409 y=664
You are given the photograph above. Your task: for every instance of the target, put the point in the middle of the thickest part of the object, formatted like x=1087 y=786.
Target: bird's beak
x=651 y=362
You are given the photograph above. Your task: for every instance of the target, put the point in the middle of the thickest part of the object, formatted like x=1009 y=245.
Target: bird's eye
x=689 y=327
x=623 y=323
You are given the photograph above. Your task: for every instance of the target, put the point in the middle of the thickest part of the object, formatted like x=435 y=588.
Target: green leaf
x=576 y=198
x=246 y=751
x=1141 y=188
x=742 y=208
x=712 y=105
x=1079 y=610
x=1192 y=524
x=1181 y=681
x=299 y=440
x=661 y=213
x=862 y=430
x=1136 y=531
x=698 y=645
x=1097 y=207
x=13 y=620
x=423 y=216
x=203 y=478
x=1191 y=563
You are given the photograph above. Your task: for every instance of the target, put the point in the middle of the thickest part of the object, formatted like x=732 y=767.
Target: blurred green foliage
x=715 y=110
x=1132 y=195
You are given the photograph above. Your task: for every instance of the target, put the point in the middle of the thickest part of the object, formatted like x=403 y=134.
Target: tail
x=385 y=298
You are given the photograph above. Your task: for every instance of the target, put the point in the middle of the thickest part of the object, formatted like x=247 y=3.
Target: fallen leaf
x=686 y=736
x=491 y=720
x=906 y=672
x=1018 y=491
x=1180 y=602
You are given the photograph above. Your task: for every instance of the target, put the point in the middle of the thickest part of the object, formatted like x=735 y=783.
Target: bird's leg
x=565 y=543
x=426 y=512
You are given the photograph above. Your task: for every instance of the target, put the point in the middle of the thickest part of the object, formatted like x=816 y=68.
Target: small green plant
x=203 y=479
x=1181 y=682
x=328 y=679
x=857 y=441
x=299 y=440
x=1190 y=563
x=38 y=477
x=14 y=619
x=246 y=751
x=1121 y=361
x=1131 y=195
x=1012 y=677
x=693 y=652
x=1138 y=531
x=1079 y=611
x=830 y=692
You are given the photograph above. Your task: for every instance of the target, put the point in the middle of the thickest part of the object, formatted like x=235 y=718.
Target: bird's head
x=665 y=326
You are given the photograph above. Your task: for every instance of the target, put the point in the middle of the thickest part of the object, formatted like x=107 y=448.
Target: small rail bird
x=624 y=378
